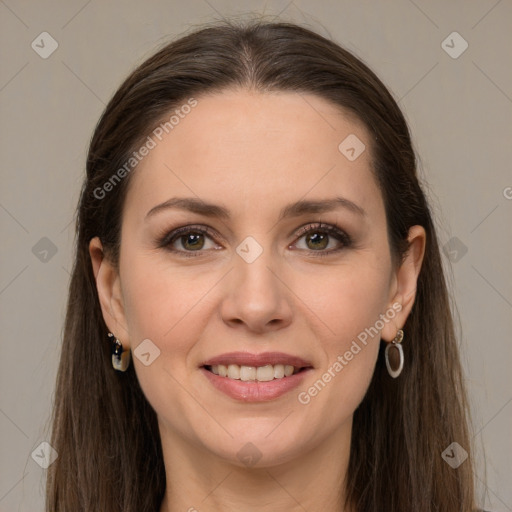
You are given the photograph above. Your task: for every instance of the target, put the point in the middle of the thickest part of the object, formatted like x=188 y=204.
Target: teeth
x=246 y=372
x=278 y=371
x=233 y=371
x=265 y=373
x=288 y=370
x=260 y=373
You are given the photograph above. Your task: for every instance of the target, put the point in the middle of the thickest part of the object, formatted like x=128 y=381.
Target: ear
x=110 y=295
x=403 y=290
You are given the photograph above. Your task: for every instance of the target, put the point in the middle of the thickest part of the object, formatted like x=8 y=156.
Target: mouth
x=250 y=377
x=264 y=373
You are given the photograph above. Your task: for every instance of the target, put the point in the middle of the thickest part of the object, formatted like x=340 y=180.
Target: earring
x=395 y=352
x=120 y=358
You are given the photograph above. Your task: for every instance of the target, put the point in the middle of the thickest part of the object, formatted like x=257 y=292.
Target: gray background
x=459 y=110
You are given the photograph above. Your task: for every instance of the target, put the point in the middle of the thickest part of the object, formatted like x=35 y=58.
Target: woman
x=254 y=250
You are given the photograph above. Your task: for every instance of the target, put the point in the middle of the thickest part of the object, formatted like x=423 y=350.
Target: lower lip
x=255 y=391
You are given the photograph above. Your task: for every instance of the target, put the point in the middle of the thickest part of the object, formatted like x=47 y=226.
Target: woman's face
x=255 y=277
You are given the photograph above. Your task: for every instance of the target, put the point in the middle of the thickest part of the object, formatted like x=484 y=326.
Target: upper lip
x=248 y=359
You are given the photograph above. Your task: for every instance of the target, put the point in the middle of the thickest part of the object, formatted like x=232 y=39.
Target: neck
x=199 y=480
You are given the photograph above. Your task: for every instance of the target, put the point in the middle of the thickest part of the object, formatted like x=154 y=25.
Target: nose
x=257 y=297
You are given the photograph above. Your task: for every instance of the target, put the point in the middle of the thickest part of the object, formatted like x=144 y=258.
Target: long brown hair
x=104 y=430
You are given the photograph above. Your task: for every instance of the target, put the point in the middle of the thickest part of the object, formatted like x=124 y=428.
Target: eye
x=188 y=239
x=317 y=238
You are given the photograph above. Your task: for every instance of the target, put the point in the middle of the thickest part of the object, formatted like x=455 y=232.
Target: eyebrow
x=296 y=209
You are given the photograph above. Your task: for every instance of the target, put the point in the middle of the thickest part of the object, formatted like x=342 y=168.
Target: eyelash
x=169 y=238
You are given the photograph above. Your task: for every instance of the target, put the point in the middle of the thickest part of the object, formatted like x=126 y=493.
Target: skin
x=255 y=153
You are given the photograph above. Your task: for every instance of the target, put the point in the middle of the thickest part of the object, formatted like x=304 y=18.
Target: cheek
x=164 y=304
x=348 y=298
x=350 y=309
x=356 y=302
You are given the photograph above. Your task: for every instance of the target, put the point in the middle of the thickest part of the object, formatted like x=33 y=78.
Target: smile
x=254 y=373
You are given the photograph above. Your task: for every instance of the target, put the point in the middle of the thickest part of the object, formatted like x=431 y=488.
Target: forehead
x=257 y=151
